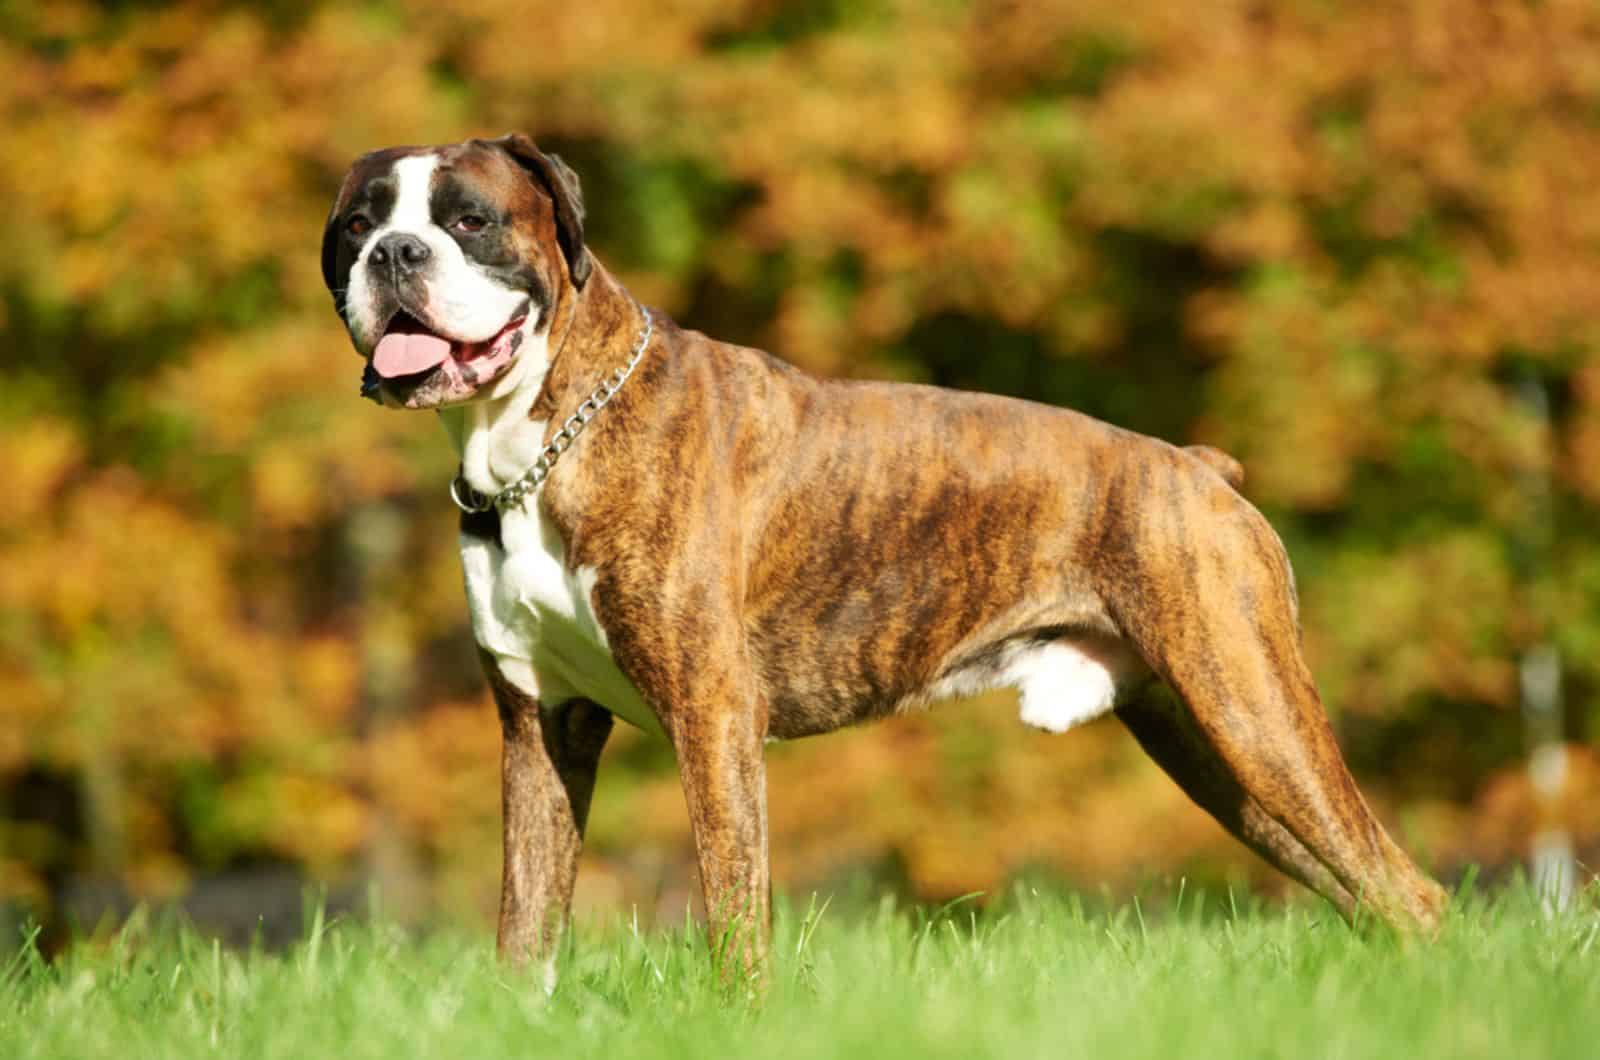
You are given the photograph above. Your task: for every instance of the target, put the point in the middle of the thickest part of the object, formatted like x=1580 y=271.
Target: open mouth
x=410 y=351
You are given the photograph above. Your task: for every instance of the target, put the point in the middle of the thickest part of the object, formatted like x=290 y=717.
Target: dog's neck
x=585 y=336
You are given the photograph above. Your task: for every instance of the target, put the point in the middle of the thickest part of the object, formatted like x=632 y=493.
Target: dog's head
x=446 y=262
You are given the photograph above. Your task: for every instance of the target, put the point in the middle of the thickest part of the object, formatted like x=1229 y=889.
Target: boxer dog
x=722 y=550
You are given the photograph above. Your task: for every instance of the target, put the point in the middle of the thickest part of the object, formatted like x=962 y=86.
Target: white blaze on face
x=459 y=300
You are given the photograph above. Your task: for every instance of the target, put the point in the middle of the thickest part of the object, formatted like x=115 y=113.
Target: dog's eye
x=470 y=222
x=358 y=225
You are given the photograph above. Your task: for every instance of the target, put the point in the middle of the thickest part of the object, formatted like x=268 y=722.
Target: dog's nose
x=404 y=250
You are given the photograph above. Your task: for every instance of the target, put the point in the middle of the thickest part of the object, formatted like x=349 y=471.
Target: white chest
x=535 y=615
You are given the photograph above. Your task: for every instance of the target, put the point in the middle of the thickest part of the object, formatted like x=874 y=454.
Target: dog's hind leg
x=1168 y=734
x=1222 y=631
x=1270 y=733
x=548 y=765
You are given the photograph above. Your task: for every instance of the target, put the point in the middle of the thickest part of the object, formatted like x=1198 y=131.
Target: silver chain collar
x=471 y=501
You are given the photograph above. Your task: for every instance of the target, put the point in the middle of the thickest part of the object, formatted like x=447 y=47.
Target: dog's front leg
x=725 y=785
x=548 y=763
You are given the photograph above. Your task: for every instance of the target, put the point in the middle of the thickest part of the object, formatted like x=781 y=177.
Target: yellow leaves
x=131 y=635
x=1409 y=621
x=283 y=399
x=38 y=455
x=1267 y=230
x=1581 y=463
x=554 y=42
x=325 y=677
x=285 y=489
x=306 y=818
x=182 y=167
x=437 y=772
x=1294 y=397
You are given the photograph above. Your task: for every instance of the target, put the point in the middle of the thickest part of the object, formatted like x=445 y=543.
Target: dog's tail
x=1231 y=470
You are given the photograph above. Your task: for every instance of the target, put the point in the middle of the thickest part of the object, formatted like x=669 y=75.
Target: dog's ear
x=330 y=241
x=330 y=258
x=561 y=184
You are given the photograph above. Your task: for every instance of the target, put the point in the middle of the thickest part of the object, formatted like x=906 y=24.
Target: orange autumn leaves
x=1333 y=239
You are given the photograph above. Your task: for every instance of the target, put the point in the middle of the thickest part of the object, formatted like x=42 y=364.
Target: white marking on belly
x=535 y=615
x=1061 y=683
x=1061 y=686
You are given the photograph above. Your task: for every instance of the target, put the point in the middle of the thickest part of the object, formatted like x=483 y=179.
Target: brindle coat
x=779 y=555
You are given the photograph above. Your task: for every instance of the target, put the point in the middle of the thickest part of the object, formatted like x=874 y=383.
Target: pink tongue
x=400 y=354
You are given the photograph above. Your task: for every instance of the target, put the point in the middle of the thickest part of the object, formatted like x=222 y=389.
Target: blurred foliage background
x=1352 y=243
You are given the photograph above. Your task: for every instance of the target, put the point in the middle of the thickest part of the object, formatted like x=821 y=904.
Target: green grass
x=1035 y=976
